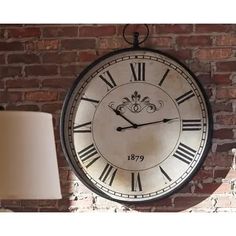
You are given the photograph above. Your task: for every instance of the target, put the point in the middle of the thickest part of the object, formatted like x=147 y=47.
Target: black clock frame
x=81 y=175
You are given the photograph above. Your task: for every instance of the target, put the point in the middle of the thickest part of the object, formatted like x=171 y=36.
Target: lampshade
x=28 y=162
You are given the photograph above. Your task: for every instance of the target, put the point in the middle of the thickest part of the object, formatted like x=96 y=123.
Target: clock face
x=135 y=126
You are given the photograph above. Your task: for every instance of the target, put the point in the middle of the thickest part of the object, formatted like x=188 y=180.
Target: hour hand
x=121 y=115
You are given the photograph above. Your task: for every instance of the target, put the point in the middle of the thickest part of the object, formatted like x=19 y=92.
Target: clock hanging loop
x=136 y=39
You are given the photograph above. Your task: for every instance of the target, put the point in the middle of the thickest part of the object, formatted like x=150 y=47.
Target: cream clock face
x=135 y=126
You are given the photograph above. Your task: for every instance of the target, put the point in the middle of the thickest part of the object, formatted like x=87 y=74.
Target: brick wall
x=38 y=64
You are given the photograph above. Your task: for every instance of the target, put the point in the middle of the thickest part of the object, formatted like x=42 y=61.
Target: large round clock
x=136 y=125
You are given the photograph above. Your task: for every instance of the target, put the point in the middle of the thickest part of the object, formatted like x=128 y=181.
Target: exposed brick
x=181 y=54
x=213 y=53
x=13 y=97
x=63 y=83
x=70 y=70
x=227 y=66
x=42 y=45
x=222 y=93
x=198 y=66
x=70 y=31
x=52 y=107
x=41 y=70
x=2 y=59
x=111 y=43
x=22 y=83
x=2 y=31
x=223 y=79
x=70 y=44
x=225 y=147
x=223 y=134
x=11 y=46
x=226 y=119
x=87 y=56
x=23 y=58
x=165 y=42
x=221 y=106
x=41 y=96
x=194 y=41
x=210 y=188
x=25 y=107
x=174 y=29
x=22 y=32
x=187 y=202
x=211 y=28
x=205 y=79
x=60 y=58
x=10 y=71
x=226 y=40
x=94 y=31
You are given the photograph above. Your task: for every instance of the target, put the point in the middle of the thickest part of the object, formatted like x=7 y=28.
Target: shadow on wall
x=211 y=190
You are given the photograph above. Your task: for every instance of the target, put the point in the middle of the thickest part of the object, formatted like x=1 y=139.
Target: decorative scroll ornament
x=136 y=104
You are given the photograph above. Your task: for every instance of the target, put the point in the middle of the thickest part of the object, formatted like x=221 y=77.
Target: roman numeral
x=135 y=182
x=90 y=100
x=108 y=174
x=184 y=153
x=164 y=173
x=185 y=97
x=107 y=78
x=138 y=71
x=164 y=76
x=86 y=128
x=88 y=155
x=191 y=125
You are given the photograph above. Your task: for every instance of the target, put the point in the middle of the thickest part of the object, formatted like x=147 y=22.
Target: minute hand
x=149 y=123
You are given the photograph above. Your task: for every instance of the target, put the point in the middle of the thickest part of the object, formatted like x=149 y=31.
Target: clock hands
x=121 y=115
x=149 y=123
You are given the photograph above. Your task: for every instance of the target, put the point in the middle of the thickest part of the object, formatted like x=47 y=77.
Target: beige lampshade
x=28 y=162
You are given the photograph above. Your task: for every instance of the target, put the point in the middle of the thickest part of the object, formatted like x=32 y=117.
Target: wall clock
x=136 y=125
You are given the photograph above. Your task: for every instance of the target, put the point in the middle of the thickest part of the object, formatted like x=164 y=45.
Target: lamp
x=28 y=162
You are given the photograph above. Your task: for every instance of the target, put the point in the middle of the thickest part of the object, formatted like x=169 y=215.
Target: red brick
x=2 y=59
x=226 y=119
x=187 y=202
x=13 y=97
x=174 y=29
x=222 y=79
x=60 y=58
x=87 y=56
x=52 y=107
x=194 y=41
x=226 y=40
x=42 y=45
x=70 y=70
x=223 y=134
x=41 y=70
x=63 y=83
x=11 y=46
x=225 y=147
x=216 y=188
x=165 y=42
x=226 y=93
x=222 y=160
x=70 y=44
x=2 y=33
x=227 y=66
x=203 y=175
x=182 y=54
x=60 y=31
x=22 y=32
x=22 y=83
x=213 y=53
x=205 y=78
x=97 y=31
x=221 y=173
x=221 y=106
x=41 y=96
x=2 y=84
x=140 y=28
x=198 y=66
x=10 y=71
x=211 y=28
x=22 y=107
x=111 y=43
x=23 y=58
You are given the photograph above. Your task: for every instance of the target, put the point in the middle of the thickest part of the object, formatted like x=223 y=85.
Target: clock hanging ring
x=136 y=125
